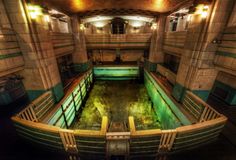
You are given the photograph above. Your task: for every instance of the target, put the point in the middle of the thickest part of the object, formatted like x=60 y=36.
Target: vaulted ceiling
x=92 y=7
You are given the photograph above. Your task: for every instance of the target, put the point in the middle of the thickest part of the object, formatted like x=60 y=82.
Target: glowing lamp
x=34 y=11
x=136 y=23
x=202 y=10
x=47 y=18
x=100 y=24
x=82 y=27
x=154 y=26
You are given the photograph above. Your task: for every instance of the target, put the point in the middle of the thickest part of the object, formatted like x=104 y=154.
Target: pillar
x=80 y=58
x=40 y=71
x=156 y=55
x=196 y=70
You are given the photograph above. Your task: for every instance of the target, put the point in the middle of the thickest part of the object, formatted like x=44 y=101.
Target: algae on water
x=117 y=100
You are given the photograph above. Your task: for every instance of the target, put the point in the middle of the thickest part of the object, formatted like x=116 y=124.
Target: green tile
x=203 y=94
x=81 y=67
x=11 y=55
x=57 y=92
x=178 y=92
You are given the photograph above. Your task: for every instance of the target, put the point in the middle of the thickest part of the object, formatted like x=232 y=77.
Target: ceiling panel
x=86 y=7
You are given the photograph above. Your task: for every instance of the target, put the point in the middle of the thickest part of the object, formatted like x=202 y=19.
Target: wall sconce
x=202 y=10
x=34 y=11
x=82 y=27
x=47 y=18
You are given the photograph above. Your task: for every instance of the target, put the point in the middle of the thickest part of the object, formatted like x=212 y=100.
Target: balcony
x=124 y=41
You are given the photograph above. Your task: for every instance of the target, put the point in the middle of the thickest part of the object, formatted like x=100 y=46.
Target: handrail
x=28 y=114
x=208 y=113
x=209 y=118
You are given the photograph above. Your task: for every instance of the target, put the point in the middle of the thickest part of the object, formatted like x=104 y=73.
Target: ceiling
x=120 y=7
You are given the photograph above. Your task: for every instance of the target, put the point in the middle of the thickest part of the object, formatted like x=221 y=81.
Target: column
x=80 y=58
x=196 y=71
x=40 y=71
x=156 y=54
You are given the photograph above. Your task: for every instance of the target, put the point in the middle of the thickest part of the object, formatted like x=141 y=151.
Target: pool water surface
x=117 y=100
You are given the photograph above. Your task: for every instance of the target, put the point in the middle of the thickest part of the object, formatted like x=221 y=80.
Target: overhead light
x=34 y=11
x=97 y=18
x=137 y=18
x=189 y=17
x=100 y=24
x=136 y=24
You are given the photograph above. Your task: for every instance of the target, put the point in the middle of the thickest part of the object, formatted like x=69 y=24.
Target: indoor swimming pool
x=118 y=93
x=122 y=107
x=117 y=100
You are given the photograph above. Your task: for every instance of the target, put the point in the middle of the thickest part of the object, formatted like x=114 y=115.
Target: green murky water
x=117 y=100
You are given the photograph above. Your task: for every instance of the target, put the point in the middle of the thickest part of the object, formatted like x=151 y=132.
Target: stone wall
x=174 y=42
x=33 y=35
x=197 y=71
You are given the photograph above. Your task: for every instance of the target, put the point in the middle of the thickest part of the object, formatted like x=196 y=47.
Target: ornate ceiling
x=95 y=7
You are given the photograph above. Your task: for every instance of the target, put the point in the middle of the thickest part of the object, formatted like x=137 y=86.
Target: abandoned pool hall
x=118 y=80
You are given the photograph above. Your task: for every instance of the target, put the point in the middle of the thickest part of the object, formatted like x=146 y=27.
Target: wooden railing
x=198 y=108
x=65 y=111
x=118 y=40
x=43 y=105
x=37 y=109
x=28 y=114
x=68 y=140
x=148 y=143
x=167 y=140
x=63 y=43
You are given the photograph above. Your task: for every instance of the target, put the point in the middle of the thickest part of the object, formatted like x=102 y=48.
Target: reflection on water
x=117 y=100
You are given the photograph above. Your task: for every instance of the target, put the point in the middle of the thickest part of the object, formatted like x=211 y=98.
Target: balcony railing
x=118 y=40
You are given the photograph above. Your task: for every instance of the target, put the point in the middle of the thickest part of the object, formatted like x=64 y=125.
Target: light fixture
x=202 y=10
x=47 y=18
x=136 y=24
x=154 y=26
x=205 y=11
x=189 y=17
x=100 y=24
x=82 y=27
x=34 y=11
